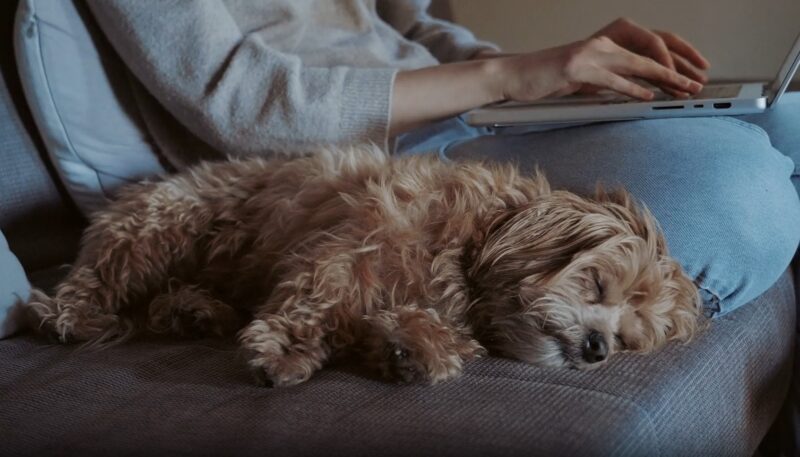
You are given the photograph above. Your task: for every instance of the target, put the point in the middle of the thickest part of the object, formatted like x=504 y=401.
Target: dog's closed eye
x=619 y=342
x=601 y=291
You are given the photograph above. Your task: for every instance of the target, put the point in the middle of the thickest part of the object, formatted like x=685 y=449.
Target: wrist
x=494 y=76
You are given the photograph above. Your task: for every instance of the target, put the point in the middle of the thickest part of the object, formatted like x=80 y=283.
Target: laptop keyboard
x=708 y=92
x=607 y=97
x=723 y=91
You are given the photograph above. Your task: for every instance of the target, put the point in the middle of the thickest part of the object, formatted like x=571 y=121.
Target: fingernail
x=694 y=86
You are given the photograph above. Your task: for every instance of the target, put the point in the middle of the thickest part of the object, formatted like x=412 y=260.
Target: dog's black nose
x=595 y=348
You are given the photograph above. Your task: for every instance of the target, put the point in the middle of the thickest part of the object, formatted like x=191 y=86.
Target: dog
x=415 y=265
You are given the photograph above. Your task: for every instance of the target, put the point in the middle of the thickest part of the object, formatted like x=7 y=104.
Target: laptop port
x=668 y=107
x=724 y=105
x=700 y=105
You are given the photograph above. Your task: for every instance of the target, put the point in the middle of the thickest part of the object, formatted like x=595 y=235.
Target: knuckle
x=601 y=43
x=668 y=36
x=580 y=50
x=655 y=40
x=572 y=69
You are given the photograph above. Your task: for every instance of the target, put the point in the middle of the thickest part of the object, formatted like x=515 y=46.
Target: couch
x=718 y=395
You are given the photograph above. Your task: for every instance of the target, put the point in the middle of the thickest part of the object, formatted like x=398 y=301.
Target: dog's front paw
x=415 y=345
x=276 y=358
x=406 y=363
x=268 y=376
x=278 y=367
x=400 y=365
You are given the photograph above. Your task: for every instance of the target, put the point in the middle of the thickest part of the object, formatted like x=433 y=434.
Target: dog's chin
x=548 y=352
x=545 y=352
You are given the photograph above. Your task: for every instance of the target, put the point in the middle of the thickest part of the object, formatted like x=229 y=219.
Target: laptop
x=713 y=100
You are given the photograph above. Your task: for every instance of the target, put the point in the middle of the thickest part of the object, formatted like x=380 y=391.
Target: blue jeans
x=721 y=188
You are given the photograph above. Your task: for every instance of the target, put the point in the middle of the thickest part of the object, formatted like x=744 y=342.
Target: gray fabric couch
x=716 y=396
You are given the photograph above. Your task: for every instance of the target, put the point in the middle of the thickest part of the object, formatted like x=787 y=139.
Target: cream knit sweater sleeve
x=234 y=91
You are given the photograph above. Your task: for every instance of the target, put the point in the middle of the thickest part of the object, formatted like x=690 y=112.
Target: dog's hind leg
x=411 y=344
x=127 y=253
x=188 y=310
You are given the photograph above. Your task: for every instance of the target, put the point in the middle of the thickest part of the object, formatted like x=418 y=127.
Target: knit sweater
x=243 y=77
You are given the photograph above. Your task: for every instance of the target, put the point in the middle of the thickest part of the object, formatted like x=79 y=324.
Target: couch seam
x=715 y=299
x=34 y=20
x=752 y=127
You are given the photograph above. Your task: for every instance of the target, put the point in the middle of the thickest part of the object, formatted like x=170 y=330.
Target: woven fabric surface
x=715 y=396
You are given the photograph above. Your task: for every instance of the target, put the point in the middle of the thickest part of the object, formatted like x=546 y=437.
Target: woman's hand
x=666 y=48
x=598 y=62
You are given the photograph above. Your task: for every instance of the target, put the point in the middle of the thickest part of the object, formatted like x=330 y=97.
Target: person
x=222 y=77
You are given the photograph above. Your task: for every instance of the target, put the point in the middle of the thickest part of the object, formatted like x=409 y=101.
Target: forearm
x=433 y=93
x=428 y=94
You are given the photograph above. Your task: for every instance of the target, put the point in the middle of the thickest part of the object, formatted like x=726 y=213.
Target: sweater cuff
x=467 y=51
x=366 y=106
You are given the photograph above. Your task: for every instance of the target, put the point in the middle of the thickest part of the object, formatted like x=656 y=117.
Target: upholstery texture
x=715 y=396
x=80 y=96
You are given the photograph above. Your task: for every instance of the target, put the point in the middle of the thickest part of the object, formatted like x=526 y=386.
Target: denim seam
x=732 y=120
x=449 y=145
x=716 y=300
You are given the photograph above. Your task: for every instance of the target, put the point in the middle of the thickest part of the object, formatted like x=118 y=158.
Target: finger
x=617 y=83
x=649 y=44
x=636 y=38
x=636 y=65
x=676 y=93
x=684 y=49
x=685 y=68
x=589 y=89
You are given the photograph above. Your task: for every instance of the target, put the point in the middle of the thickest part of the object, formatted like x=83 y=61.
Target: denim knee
x=720 y=191
x=750 y=227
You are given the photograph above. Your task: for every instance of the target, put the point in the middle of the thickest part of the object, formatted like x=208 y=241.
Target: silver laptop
x=713 y=100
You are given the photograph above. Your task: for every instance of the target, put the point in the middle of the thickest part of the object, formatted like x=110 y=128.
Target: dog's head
x=569 y=281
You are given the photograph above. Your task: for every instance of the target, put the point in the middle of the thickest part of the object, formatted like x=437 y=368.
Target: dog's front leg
x=316 y=308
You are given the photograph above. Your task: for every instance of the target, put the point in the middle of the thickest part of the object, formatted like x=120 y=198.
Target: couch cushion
x=14 y=289
x=81 y=100
x=715 y=396
x=39 y=223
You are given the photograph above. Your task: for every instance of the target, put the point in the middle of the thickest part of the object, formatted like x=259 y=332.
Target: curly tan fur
x=415 y=264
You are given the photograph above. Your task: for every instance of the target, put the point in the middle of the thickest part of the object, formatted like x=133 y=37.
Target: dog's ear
x=537 y=240
x=672 y=312
x=635 y=215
